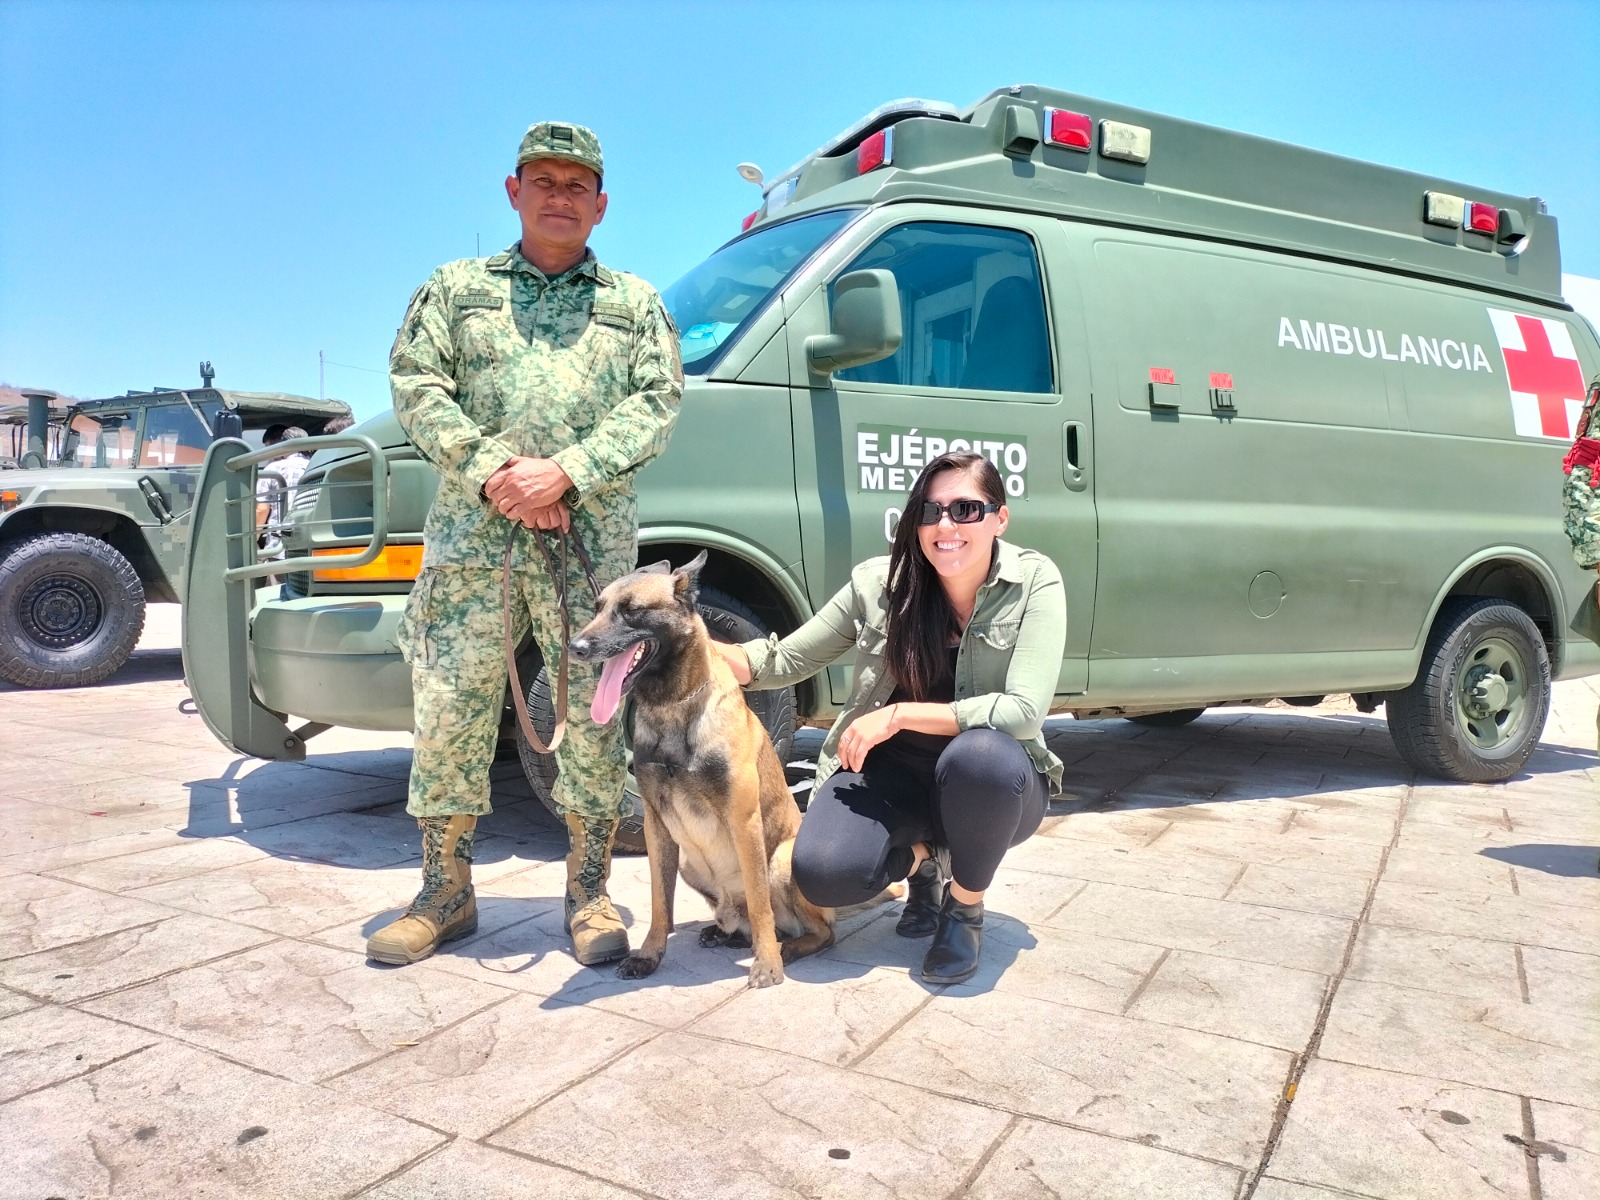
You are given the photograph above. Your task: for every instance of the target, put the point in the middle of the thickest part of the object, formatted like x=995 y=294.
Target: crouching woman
x=937 y=765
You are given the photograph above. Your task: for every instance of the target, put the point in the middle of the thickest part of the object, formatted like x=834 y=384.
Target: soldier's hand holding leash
x=524 y=486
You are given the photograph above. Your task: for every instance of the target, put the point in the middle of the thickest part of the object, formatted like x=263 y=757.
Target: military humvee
x=1291 y=425
x=99 y=525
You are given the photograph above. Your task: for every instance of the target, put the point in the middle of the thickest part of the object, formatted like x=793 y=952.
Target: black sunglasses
x=962 y=512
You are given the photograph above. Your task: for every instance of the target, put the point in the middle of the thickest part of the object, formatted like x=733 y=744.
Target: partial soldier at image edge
x=1580 y=501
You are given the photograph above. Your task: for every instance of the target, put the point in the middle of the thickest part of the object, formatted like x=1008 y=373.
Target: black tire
x=727 y=621
x=1167 y=720
x=1478 y=705
x=71 y=611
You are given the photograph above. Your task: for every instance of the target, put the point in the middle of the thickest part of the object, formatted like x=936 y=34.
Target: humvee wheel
x=1478 y=705
x=71 y=611
x=728 y=621
x=1167 y=720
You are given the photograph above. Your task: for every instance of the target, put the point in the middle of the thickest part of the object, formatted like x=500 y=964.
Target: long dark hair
x=920 y=617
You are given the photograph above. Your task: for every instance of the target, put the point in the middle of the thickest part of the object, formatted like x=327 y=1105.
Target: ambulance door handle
x=1074 y=446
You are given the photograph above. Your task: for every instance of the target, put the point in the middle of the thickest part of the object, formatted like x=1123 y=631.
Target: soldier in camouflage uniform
x=537 y=382
x=1580 y=504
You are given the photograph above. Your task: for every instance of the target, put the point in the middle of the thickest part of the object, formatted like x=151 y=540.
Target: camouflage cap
x=557 y=139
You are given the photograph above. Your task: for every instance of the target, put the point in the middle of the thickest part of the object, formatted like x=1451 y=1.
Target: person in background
x=272 y=496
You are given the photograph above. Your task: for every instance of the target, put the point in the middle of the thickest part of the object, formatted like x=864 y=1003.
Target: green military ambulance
x=94 y=516
x=1290 y=424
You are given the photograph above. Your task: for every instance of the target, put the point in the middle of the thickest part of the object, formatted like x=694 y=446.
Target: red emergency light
x=875 y=151
x=749 y=221
x=1070 y=129
x=1482 y=218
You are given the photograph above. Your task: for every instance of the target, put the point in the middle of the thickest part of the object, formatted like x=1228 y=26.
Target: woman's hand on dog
x=738 y=661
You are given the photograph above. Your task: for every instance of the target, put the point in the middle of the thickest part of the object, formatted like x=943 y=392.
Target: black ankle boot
x=924 y=895
x=957 y=942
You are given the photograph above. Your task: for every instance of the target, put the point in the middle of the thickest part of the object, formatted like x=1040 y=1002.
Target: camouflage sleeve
x=1581 y=505
x=636 y=430
x=422 y=380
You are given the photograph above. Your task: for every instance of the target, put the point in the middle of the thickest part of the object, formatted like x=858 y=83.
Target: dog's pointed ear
x=686 y=580
x=657 y=568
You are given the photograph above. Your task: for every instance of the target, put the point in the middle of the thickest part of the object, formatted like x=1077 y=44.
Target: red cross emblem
x=1543 y=373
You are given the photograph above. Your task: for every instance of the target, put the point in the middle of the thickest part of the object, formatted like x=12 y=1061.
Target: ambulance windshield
x=712 y=303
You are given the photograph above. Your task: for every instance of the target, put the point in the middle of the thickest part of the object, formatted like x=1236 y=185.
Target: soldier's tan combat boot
x=446 y=907
x=598 y=935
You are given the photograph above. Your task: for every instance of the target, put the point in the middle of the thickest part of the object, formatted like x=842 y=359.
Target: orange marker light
x=393 y=563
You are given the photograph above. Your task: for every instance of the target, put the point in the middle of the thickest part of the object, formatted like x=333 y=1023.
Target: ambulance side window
x=973 y=308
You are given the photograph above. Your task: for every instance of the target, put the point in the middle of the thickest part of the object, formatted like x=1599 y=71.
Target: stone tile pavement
x=1253 y=957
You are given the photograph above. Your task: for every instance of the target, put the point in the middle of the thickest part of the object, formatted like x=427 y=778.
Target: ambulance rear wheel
x=71 y=611
x=1167 y=720
x=1478 y=705
x=727 y=621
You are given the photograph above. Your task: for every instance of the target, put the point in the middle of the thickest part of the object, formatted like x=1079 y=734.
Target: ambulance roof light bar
x=1505 y=225
x=881 y=117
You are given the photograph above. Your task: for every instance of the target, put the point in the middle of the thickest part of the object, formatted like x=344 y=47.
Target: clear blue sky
x=255 y=182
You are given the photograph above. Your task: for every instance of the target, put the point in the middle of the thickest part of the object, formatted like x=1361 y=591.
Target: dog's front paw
x=712 y=935
x=764 y=974
x=637 y=966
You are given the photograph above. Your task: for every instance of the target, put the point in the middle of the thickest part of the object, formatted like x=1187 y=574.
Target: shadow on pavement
x=146 y=666
x=1569 y=862
x=304 y=810
x=1226 y=755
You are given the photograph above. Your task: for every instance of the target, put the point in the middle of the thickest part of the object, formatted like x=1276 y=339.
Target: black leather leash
x=560 y=582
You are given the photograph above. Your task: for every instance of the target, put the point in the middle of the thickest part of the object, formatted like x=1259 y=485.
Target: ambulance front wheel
x=1478 y=705
x=727 y=621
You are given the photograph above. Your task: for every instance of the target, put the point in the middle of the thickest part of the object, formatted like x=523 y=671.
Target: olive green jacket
x=1006 y=667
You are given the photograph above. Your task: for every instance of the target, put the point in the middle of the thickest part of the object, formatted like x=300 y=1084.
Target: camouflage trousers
x=453 y=638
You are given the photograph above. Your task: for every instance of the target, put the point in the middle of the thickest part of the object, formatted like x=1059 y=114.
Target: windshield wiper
x=199 y=416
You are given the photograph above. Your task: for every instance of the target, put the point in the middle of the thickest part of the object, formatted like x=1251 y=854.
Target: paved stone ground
x=1253 y=957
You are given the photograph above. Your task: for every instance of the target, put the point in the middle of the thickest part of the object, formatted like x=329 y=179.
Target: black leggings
x=981 y=798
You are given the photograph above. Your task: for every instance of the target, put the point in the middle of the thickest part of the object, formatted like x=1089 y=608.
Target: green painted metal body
x=134 y=484
x=1291 y=533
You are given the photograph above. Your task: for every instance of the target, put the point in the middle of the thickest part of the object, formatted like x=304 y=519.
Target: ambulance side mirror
x=866 y=323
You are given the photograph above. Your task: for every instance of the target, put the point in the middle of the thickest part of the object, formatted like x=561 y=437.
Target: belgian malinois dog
x=716 y=805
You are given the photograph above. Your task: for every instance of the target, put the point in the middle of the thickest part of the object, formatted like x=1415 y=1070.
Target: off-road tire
x=727 y=621
x=1167 y=720
x=1434 y=724
x=71 y=611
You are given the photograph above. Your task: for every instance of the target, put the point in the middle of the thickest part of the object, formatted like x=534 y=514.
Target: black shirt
x=914 y=742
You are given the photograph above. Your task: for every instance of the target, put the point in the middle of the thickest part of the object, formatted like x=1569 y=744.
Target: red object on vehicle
x=1483 y=218
x=1071 y=129
x=876 y=151
x=1221 y=379
x=1163 y=375
x=749 y=221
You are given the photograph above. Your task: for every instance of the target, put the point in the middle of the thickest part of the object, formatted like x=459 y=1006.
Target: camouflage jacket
x=494 y=359
x=1580 y=494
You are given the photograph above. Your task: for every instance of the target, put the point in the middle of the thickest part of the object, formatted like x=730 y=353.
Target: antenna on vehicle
x=206 y=374
x=750 y=173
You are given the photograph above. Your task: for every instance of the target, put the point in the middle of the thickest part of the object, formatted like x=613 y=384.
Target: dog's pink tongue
x=608 y=696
